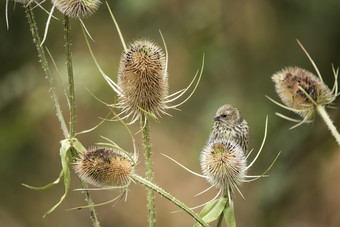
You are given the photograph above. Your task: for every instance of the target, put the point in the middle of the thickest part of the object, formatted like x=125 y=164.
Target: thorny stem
x=68 y=52
x=44 y=64
x=88 y=199
x=168 y=196
x=321 y=110
x=149 y=171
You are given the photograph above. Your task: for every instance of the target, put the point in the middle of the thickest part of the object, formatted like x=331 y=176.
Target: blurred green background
x=245 y=42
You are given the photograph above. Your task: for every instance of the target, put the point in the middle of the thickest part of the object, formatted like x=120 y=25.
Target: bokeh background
x=245 y=42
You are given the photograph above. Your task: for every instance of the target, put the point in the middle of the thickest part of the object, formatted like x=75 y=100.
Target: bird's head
x=228 y=115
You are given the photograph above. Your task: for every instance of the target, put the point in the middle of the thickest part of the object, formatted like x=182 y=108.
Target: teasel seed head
x=143 y=79
x=77 y=8
x=224 y=164
x=104 y=167
x=301 y=90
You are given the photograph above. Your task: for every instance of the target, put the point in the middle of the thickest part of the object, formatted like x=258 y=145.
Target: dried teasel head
x=224 y=165
x=143 y=79
x=301 y=90
x=104 y=167
x=142 y=86
x=77 y=8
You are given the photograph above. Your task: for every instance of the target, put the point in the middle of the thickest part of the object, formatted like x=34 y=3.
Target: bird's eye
x=223 y=115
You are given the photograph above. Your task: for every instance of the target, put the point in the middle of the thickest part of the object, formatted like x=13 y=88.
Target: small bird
x=229 y=126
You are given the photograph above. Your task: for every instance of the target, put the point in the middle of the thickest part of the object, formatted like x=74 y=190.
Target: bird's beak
x=217 y=118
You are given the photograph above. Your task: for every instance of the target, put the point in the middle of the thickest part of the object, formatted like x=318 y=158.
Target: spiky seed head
x=77 y=8
x=224 y=164
x=143 y=79
x=230 y=125
x=104 y=166
x=287 y=83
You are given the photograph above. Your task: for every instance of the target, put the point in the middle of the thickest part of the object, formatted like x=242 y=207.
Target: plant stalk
x=68 y=52
x=220 y=218
x=44 y=64
x=322 y=112
x=90 y=203
x=149 y=171
x=168 y=196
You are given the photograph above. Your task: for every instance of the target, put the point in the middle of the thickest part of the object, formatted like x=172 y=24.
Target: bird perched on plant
x=229 y=125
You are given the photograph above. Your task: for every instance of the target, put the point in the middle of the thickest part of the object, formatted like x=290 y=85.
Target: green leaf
x=78 y=146
x=213 y=209
x=66 y=159
x=229 y=215
x=46 y=186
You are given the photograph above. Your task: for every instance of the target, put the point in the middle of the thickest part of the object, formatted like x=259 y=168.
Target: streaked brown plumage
x=229 y=126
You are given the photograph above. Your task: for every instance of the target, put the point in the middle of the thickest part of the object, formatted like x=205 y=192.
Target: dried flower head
x=301 y=90
x=142 y=78
x=142 y=86
x=77 y=8
x=224 y=165
x=104 y=167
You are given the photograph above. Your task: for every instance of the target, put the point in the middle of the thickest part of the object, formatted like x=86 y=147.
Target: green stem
x=44 y=64
x=168 y=196
x=322 y=112
x=220 y=218
x=90 y=204
x=149 y=171
x=68 y=52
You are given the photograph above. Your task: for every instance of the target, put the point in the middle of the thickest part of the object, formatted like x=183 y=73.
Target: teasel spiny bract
x=306 y=94
x=105 y=166
x=113 y=168
x=24 y=2
x=224 y=165
x=302 y=92
x=142 y=86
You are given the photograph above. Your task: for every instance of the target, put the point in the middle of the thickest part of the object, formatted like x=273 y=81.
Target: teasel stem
x=93 y=214
x=44 y=64
x=68 y=52
x=43 y=60
x=321 y=110
x=220 y=218
x=149 y=171
x=168 y=196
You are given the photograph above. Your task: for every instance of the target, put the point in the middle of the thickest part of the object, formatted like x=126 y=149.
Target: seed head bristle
x=143 y=79
x=224 y=164
x=77 y=8
x=104 y=167
x=288 y=84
